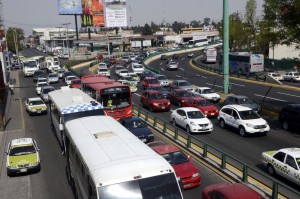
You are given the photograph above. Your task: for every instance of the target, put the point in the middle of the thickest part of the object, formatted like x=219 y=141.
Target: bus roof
x=112 y=153
x=100 y=82
x=68 y=100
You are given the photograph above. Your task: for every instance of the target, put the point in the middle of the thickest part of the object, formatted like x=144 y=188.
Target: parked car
x=284 y=162
x=276 y=76
x=172 y=65
x=181 y=84
x=207 y=93
x=164 y=81
x=163 y=57
x=246 y=120
x=228 y=191
x=292 y=76
x=52 y=78
x=192 y=119
x=179 y=96
x=160 y=89
x=138 y=127
x=76 y=83
x=184 y=168
x=38 y=74
x=19 y=151
x=152 y=81
x=137 y=68
x=44 y=92
x=289 y=116
x=68 y=79
x=39 y=86
x=203 y=105
x=35 y=106
x=155 y=101
x=243 y=101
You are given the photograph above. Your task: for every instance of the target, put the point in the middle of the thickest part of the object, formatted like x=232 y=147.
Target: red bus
x=113 y=95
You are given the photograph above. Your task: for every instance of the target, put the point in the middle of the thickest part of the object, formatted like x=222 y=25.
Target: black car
x=163 y=57
x=243 y=101
x=138 y=127
x=147 y=74
x=38 y=74
x=175 y=56
x=65 y=74
x=289 y=116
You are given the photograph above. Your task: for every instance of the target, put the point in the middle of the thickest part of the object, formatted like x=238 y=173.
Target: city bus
x=202 y=41
x=40 y=61
x=245 y=63
x=105 y=160
x=211 y=55
x=114 y=96
x=67 y=104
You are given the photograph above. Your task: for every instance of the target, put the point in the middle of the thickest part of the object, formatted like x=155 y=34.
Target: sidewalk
x=13 y=187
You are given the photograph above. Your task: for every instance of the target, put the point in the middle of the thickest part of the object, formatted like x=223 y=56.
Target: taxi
x=35 y=105
x=22 y=156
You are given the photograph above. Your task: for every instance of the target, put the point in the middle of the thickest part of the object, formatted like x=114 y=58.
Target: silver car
x=163 y=80
x=52 y=78
x=44 y=92
x=183 y=84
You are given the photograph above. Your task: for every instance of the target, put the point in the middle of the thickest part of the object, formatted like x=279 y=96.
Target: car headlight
x=155 y=104
x=12 y=167
x=168 y=103
x=193 y=123
x=249 y=125
x=195 y=175
x=33 y=164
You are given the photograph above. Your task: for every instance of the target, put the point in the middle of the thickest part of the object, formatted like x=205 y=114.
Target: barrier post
x=275 y=190
x=139 y=112
x=176 y=133
x=147 y=115
x=154 y=122
x=188 y=144
x=165 y=127
x=204 y=151
x=245 y=173
x=223 y=163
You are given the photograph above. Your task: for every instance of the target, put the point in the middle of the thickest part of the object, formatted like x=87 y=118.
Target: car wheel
x=222 y=123
x=285 y=125
x=174 y=122
x=271 y=170
x=242 y=131
x=188 y=130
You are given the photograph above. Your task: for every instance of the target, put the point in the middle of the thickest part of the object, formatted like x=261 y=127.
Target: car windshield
x=244 y=100
x=161 y=77
x=36 y=102
x=249 y=115
x=157 y=96
x=76 y=81
x=70 y=78
x=158 y=88
x=184 y=84
x=129 y=78
x=136 y=124
x=40 y=84
x=176 y=157
x=153 y=81
x=39 y=72
x=103 y=70
x=275 y=74
x=22 y=150
x=47 y=90
x=172 y=62
x=185 y=94
x=138 y=66
x=195 y=115
x=52 y=75
x=208 y=91
x=42 y=80
x=204 y=103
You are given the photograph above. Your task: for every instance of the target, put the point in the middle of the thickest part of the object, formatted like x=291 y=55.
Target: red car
x=203 y=105
x=75 y=83
x=236 y=191
x=155 y=101
x=185 y=170
x=179 y=96
x=151 y=81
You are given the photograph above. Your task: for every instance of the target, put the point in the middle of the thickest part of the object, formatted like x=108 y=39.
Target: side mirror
x=236 y=117
x=184 y=117
x=189 y=157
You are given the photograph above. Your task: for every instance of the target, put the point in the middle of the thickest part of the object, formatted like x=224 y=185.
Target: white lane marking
x=128 y=66
x=181 y=68
x=204 y=77
x=214 y=85
x=178 y=76
x=270 y=98
x=162 y=69
x=288 y=94
x=137 y=94
x=238 y=84
x=160 y=63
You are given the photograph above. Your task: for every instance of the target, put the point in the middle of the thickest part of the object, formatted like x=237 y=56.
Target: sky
x=29 y=14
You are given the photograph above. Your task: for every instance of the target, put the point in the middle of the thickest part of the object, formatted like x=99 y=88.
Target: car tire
x=242 y=131
x=285 y=125
x=174 y=122
x=271 y=170
x=222 y=123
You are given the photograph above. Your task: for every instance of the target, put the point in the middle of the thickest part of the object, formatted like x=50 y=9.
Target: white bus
x=245 y=63
x=106 y=161
x=70 y=103
x=211 y=55
x=40 y=60
x=198 y=42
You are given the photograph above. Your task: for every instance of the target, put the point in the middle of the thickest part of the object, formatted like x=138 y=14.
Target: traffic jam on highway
x=186 y=102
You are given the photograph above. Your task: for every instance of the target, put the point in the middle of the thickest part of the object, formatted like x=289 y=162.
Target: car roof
x=45 y=87
x=237 y=107
x=237 y=190
x=203 y=87
x=151 y=91
x=21 y=141
x=188 y=109
x=131 y=119
x=198 y=98
x=180 y=80
x=295 y=152
x=239 y=96
x=179 y=90
x=34 y=99
x=166 y=148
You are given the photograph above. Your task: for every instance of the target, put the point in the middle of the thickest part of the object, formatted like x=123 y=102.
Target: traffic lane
x=51 y=181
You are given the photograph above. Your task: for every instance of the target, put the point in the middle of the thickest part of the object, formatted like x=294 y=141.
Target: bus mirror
x=61 y=127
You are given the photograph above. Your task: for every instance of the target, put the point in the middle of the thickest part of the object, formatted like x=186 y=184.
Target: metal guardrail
x=225 y=162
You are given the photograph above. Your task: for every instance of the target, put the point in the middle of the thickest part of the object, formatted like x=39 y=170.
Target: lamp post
x=225 y=46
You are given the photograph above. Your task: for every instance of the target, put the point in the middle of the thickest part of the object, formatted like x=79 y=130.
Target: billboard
x=92 y=13
x=69 y=7
x=115 y=13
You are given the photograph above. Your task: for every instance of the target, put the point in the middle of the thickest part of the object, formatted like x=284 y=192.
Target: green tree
x=250 y=23
x=147 y=30
x=195 y=24
x=14 y=33
x=206 y=21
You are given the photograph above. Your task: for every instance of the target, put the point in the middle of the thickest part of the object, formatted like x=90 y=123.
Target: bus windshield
x=163 y=186
x=113 y=98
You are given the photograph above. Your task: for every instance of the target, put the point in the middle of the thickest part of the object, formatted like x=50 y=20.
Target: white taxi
x=35 y=105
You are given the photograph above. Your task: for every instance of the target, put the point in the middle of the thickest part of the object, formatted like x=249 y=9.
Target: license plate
x=163 y=107
x=38 y=111
x=212 y=114
x=23 y=170
x=261 y=130
x=144 y=140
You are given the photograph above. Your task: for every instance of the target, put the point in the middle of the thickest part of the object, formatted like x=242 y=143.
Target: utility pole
x=16 y=43
x=225 y=46
x=67 y=35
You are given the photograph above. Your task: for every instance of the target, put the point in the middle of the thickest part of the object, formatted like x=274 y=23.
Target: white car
x=172 y=65
x=276 y=76
x=42 y=79
x=137 y=68
x=39 y=86
x=123 y=72
x=292 y=76
x=128 y=79
x=246 y=120
x=192 y=119
x=207 y=93
x=52 y=78
x=102 y=65
x=118 y=68
x=35 y=105
x=163 y=80
x=68 y=79
x=104 y=71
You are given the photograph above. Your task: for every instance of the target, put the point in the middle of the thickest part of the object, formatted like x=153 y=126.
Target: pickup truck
x=284 y=162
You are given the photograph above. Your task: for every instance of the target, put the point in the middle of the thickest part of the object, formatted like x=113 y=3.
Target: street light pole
x=225 y=46
x=66 y=24
x=16 y=43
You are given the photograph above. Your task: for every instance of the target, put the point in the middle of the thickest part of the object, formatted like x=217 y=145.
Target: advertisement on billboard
x=92 y=13
x=115 y=13
x=69 y=7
